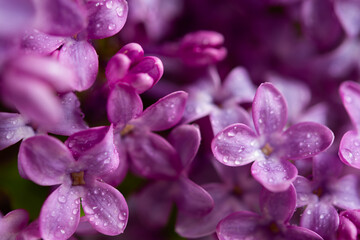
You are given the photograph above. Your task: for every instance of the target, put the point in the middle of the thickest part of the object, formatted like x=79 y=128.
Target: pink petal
x=349 y=150
x=347 y=229
x=123 y=105
x=83 y=59
x=106 y=209
x=350 y=96
x=191 y=226
x=35 y=41
x=117 y=68
x=152 y=156
x=44 y=159
x=238 y=86
x=299 y=233
x=163 y=114
x=186 y=140
x=12 y=129
x=13 y=223
x=60 y=213
x=106 y=18
x=348 y=12
x=236 y=145
x=94 y=148
x=239 y=225
x=154 y=204
x=275 y=175
x=321 y=218
x=346 y=193
x=317 y=113
x=59 y=17
x=193 y=199
x=223 y=117
x=304 y=192
x=269 y=110
x=133 y=51
x=279 y=206
x=198 y=105
x=304 y=140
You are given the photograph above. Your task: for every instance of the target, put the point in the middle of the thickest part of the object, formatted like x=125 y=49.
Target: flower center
x=78 y=178
x=319 y=191
x=127 y=129
x=274 y=228
x=267 y=149
x=237 y=191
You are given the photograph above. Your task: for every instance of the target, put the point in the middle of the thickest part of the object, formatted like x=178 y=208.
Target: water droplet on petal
x=62 y=231
x=322 y=216
x=119 y=11
x=62 y=199
x=109 y=4
x=231 y=134
x=348 y=99
x=308 y=212
x=111 y=26
x=75 y=211
x=10 y=135
x=122 y=216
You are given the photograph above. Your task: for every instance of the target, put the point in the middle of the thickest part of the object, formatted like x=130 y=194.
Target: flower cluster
x=179 y=119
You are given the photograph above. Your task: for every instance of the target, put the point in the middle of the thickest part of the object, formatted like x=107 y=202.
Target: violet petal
x=349 y=150
x=106 y=209
x=236 y=145
x=44 y=159
x=350 y=96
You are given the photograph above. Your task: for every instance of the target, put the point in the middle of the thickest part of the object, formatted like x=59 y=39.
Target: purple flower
x=325 y=192
x=270 y=147
x=273 y=223
x=220 y=101
x=129 y=67
x=349 y=225
x=350 y=143
x=76 y=167
x=13 y=223
x=202 y=48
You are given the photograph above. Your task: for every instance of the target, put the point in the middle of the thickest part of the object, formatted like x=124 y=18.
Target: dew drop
x=321 y=216
x=62 y=199
x=237 y=162
x=62 y=231
x=109 y=4
x=98 y=25
x=111 y=26
x=119 y=11
x=9 y=135
x=348 y=99
x=75 y=211
x=105 y=224
x=231 y=134
x=96 y=191
x=122 y=216
x=53 y=213
x=308 y=212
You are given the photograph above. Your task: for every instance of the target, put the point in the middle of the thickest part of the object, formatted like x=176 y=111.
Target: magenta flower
x=13 y=224
x=129 y=67
x=273 y=222
x=349 y=225
x=76 y=167
x=349 y=148
x=202 y=48
x=270 y=147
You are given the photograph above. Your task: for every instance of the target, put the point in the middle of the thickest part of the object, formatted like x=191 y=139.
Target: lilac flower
x=349 y=225
x=323 y=193
x=76 y=166
x=349 y=145
x=220 y=101
x=202 y=48
x=270 y=147
x=154 y=203
x=13 y=223
x=273 y=223
x=129 y=67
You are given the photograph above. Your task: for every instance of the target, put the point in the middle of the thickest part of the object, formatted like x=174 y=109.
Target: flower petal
x=60 y=213
x=238 y=87
x=349 y=150
x=44 y=159
x=163 y=114
x=94 y=148
x=347 y=229
x=13 y=223
x=83 y=59
x=193 y=199
x=304 y=193
x=12 y=129
x=123 y=105
x=275 y=175
x=269 y=110
x=220 y=118
x=106 y=209
x=326 y=166
x=321 y=218
x=38 y=42
x=304 y=140
x=300 y=233
x=154 y=204
x=106 y=18
x=239 y=225
x=348 y=12
x=152 y=156
x=191 y=226
x=236 y=145
x=346 y=192
x=279 y=206
x=186 y=140
x=59 y=17
x=72 y=119
x=350 y=96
